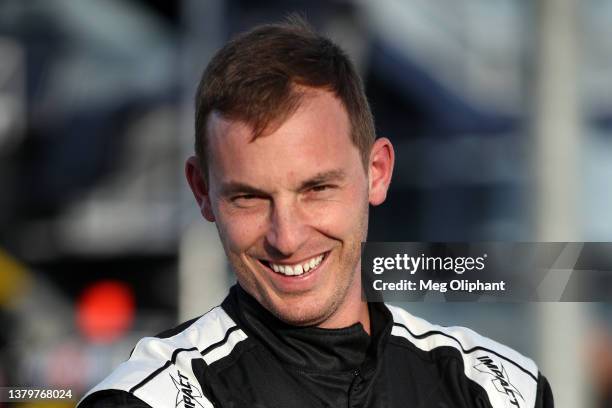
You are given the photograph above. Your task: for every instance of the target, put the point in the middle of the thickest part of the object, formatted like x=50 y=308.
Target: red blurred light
x=105 y=311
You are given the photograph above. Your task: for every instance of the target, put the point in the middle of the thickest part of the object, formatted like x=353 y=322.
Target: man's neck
x=353 y=310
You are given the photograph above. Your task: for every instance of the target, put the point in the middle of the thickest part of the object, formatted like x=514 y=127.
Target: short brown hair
x=257 y=77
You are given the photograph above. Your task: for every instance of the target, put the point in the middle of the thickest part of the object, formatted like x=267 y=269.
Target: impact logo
x=187 y=394
x=500 y=380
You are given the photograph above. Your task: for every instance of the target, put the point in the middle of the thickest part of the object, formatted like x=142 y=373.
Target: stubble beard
x=312 y=313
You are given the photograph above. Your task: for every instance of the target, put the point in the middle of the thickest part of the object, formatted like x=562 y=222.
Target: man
x=287 y=164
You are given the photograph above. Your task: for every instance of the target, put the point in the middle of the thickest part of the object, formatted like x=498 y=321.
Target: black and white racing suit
x=240 y=355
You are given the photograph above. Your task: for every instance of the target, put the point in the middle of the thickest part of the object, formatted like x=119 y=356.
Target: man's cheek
x=240 y=235
x=340 y=221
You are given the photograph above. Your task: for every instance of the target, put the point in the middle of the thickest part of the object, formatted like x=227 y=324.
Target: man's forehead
x=220 y=124
x=314 y=140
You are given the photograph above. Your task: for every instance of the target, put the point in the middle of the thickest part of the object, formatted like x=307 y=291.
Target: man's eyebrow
x=234 y=187
x=322 y=178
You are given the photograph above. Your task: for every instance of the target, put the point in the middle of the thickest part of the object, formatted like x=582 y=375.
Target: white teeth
x=297 y=269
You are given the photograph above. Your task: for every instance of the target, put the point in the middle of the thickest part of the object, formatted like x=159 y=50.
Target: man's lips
x=296 y=269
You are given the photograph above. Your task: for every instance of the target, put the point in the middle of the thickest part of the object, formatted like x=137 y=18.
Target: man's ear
x=382 y=158
x=198 y=185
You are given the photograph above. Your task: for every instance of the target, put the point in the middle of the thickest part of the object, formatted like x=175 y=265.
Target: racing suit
x=239 y=355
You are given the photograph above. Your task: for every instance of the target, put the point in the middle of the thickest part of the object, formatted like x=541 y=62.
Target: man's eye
x=322 y=188
x=245 y=199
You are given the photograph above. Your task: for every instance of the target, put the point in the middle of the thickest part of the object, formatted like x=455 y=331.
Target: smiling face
x=291 y=208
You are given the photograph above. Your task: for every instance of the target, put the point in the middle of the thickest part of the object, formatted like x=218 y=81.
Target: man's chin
x=303 y=314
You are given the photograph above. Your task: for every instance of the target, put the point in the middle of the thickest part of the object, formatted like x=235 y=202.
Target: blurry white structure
x=474 y=48
x=556 y=162
x=203 y=277
x=203 y=271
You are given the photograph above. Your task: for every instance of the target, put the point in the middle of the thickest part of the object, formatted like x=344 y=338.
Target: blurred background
x=500 y=112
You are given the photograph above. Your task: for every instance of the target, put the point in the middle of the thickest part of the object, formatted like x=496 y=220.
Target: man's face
x=291 y=208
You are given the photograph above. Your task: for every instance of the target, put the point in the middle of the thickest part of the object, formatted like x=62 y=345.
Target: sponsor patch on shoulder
x=500 y=380
x=187 y=394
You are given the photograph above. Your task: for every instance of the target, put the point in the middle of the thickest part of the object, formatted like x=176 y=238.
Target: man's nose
x=287 y=228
